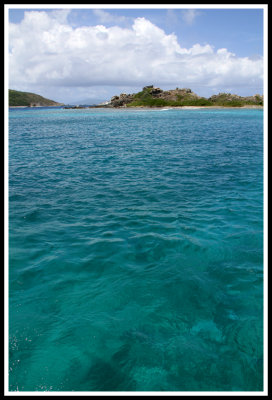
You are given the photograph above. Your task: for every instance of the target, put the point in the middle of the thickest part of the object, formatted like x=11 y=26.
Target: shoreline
x=156 y=108
x=18 y=106
x=60 y=105
x=249 y=106
x=184 y=107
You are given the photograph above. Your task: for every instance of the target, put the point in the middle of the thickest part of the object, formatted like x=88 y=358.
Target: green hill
x=17 y=98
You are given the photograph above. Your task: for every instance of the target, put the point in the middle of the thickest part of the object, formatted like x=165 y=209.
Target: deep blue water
x=135 y=250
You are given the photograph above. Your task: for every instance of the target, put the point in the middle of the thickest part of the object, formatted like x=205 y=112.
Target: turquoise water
x=135 y=250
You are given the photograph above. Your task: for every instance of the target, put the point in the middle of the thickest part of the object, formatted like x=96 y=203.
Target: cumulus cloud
x=46 y=50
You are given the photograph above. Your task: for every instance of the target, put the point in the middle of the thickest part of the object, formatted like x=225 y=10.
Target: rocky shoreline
x=168 y=107
x=181 y=107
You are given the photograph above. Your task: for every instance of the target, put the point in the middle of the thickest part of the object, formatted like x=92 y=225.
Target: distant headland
x=27 y=99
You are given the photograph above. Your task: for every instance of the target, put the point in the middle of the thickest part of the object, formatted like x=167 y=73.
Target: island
x=151 y=96
x=148 y=97
x=27 y=99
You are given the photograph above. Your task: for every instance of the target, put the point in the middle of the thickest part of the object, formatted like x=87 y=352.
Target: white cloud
x=47 y=51
x=61 y=15
x=189 y=16
x=105 y=17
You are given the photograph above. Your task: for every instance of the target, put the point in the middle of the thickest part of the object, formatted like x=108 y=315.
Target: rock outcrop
x=149 y=92
x=121 y=101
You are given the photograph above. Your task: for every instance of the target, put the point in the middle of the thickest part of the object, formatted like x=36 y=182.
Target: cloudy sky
x=74 y=54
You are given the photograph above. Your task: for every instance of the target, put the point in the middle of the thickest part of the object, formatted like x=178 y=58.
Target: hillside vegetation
x=151 y=96
x=17 y=98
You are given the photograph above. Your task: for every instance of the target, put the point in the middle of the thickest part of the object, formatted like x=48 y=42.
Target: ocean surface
x=135 y=250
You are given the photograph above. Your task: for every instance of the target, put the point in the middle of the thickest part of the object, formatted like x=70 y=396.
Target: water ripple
x=135 y=250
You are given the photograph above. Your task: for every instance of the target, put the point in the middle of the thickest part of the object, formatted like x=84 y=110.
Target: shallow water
x=135 y=250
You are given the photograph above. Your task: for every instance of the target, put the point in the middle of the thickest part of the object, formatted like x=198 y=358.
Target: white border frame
x=264 y=7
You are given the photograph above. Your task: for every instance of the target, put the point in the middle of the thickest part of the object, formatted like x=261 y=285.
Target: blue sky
x=88 y=53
